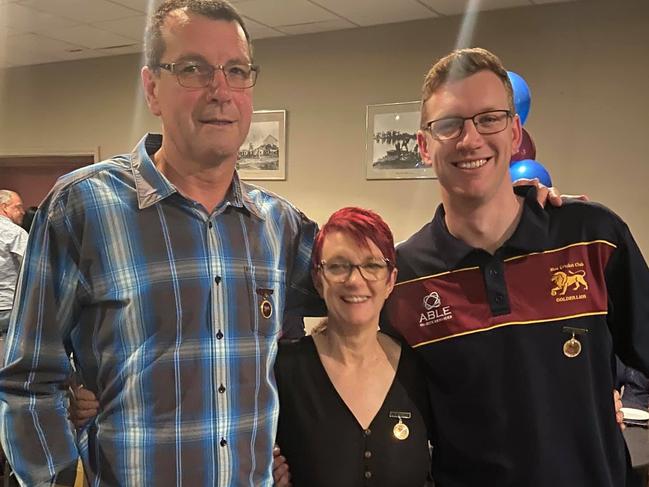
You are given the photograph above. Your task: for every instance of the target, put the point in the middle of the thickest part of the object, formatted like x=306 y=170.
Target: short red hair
x=361 y=225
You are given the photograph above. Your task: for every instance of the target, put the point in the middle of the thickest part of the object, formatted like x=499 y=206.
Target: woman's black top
x=323 y=442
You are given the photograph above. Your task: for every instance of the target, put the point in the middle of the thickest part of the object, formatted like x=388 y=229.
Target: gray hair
x=6 y=195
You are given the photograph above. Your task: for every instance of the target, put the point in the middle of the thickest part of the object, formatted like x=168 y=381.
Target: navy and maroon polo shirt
x=510 y=407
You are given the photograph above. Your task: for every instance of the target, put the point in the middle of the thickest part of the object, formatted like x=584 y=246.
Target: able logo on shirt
x=435 y=312
x=566 y=280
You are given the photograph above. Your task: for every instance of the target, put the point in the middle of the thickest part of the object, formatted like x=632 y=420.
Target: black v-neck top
x=323 y=442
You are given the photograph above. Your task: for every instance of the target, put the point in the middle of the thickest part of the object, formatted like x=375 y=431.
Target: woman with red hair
x=353 y=404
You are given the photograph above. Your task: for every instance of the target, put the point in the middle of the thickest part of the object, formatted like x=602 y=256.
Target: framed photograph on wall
x=263 y=154
x=391 y=142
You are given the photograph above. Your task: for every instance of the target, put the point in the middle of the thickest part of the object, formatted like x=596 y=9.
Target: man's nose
x=470 y=138
x=219 y=87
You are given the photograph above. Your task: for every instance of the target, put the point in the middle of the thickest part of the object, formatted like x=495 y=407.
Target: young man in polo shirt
x=516 y=309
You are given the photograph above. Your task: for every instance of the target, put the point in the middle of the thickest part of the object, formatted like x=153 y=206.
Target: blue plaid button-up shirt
x=165 y=308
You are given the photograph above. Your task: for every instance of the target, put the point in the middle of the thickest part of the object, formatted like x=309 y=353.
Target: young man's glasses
x=194 y=74
x=340 y=271
x=486 y=123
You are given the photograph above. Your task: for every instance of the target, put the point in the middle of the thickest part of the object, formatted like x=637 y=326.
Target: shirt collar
x=531 y=234
x=152 y=186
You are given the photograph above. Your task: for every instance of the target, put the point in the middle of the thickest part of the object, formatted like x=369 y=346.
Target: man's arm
x=35 y=433
x=301 y=297
x=636 y=389
x=19 y=245
x=627 y=281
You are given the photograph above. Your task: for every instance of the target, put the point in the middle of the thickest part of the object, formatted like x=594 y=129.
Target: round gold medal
x=401 y=430
x=266 y=308
x=572 y=347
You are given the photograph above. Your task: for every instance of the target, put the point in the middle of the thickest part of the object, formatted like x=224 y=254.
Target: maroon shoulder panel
x=553 y=285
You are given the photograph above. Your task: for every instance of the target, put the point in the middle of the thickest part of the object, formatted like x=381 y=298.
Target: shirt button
x=499 y=298
x=221 y=388
x=217 y=279
x=367 y=432
x=209 y=224
x=367 y=454
x=219 y=335
x=493 y=272
x=223 y=442
x=368 y=474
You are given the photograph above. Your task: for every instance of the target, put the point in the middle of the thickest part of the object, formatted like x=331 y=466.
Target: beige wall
x=587 y=64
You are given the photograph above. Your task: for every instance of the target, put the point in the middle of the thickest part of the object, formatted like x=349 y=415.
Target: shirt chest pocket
x=266 y=295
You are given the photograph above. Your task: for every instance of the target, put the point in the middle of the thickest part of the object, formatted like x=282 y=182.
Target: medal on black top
x=572 y=346
x=400 y=430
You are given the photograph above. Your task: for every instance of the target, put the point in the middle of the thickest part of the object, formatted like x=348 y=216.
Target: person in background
x=13 y=241
x=634 y=384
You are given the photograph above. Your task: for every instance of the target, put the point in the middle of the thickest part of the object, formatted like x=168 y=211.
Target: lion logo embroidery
x=562 y=281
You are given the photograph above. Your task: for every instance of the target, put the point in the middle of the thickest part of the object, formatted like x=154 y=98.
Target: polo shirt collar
x=531 y=234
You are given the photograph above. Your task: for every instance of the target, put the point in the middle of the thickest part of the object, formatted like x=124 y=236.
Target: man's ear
x=150 y=84
x=422 y=143
x=517 y=134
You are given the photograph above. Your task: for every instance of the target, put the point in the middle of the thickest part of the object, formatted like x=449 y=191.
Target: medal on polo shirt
x=400 y=430
x=572 y=346
x=266 y=306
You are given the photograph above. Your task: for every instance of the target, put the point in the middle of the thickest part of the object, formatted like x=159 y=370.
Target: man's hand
x=281 y=475
x=83 y=405
x=619 y=415
x=545 y=195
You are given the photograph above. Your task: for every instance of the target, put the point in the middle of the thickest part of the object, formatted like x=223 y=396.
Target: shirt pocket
x=266 y=291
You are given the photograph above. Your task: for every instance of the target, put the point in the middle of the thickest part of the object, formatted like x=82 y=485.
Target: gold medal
x=572 y=347
x=401 y=430
x=266 y=308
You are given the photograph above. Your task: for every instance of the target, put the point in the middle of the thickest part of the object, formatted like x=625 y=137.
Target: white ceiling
x=45 y=31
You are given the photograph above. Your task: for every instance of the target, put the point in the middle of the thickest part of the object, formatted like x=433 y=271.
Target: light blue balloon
x=530 y=169
x=522 y=97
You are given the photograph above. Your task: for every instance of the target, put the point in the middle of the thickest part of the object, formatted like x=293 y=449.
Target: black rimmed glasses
x=194 y=74
x=341 y=271
x=486 y=123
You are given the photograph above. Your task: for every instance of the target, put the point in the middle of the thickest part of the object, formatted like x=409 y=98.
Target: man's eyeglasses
x=193 y=74
x=341 y=271
x=486 y=123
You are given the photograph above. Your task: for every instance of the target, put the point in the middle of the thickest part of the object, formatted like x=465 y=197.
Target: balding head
x=11 y=206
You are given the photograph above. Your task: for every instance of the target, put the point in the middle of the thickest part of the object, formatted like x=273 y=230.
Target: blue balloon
x=522 y=97
x=530 y=169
